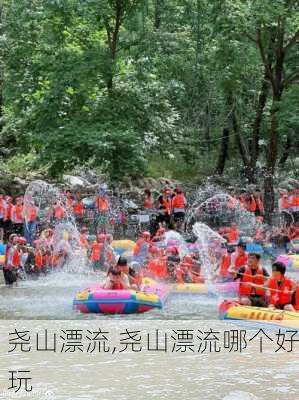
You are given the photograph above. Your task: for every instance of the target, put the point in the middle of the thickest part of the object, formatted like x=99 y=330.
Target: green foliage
x=99 y=83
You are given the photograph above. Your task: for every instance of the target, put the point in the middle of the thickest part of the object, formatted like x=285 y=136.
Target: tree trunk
x=286 y=151
x=257 y=125
x=223 y=152
x=113 y=36
x=158 y=10
x=269 y=196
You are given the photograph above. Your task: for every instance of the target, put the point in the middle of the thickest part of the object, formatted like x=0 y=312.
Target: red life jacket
x=239 y=260
x=252 y=204
x=102 y=204
x=31 y=213
x=117 y=286
x=283 y=203
x=17 y=214
x=224 y=265
x=232 y=235
x=284 y=291
x=96 y=251
x=38 y=259
x=179 y=201
x=294 y=201
x=16 y=258
x=78 y=209
x=7 y=212
x=259 y=204
x=245 y=289
x=59 y=212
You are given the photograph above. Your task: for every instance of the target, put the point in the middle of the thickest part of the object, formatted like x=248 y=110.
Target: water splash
x=216 y=208
x=209 y=244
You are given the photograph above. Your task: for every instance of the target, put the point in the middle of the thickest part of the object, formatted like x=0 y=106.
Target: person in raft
x=280 y=288
x=253 y=277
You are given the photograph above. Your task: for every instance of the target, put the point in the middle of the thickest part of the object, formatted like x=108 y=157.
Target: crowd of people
x=32 y=247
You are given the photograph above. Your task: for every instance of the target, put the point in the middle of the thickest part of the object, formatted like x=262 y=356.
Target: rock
x=75 y=181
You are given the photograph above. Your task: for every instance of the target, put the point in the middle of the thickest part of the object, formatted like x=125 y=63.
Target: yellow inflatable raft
x=286 y=319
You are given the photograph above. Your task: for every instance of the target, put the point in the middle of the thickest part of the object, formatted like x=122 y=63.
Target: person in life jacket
x=114 y=280
x=252 y=277
x=294 y=204
x=295 y=299
x=165 y=206
x=179 y=203
x=17 y=216
x=183 y=273
x=97 y=255
x=280 y=288
x=243 y=199
x=69 y=201
x=157 y=266
x=7 y=224
x=142 y=247
x=9 y=273
x=122 y=266
x=232 y=234
x=259 y=204
x=160 y=233
x=59 y=212
x=224 y=264
x=239 y=257
x=102 y=202
x=250 y=203
x=2 y=210
x=259 y=235
x=78 y=208
x=148 y=201
x=30 y=215
x=83 y=239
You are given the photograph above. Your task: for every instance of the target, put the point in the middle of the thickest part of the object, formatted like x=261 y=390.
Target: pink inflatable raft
x=95 y=299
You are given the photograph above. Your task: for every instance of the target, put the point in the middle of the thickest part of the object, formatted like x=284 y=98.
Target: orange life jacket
x=294 y=201
x=158 y=267
x=224 y=265
x=259 y=204
x=7 y=212
x=252 y=204
x=102 y=204
x=239 y=260
x=233 y=235
x=59 y=212
x=284 y=291
x=16 y=258
x=78 y=209
x=179 y=201
x=31 y=213
x=96 y=251
x=245 y=289
x=283 y=203
x=38 y=259
x=17 y=214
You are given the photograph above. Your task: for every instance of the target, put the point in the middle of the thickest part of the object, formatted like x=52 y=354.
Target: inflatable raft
x=227 y=288
x=230 y=310
x=95 y=299
x=291 y=261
